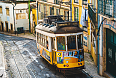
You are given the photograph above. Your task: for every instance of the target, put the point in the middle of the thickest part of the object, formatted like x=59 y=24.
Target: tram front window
x=79 y=40
x=61 y=43
x=71 y=40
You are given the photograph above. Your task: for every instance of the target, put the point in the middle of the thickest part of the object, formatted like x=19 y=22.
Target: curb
x=3 y=68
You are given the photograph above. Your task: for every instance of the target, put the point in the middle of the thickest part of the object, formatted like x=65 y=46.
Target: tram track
x=33 y=58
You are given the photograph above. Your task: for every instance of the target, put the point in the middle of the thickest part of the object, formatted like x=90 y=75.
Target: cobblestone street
x=23 y=61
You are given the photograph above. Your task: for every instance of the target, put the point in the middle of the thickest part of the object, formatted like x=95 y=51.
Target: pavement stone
x=91 y=69
x=2 y=62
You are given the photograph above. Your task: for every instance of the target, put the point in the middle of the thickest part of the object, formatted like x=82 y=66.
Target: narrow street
x=23 y=61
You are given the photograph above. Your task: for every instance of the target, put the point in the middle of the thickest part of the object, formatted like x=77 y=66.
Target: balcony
x=107 y=9
x=93 y=15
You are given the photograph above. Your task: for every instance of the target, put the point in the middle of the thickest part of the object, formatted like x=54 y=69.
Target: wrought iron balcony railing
x=92 y=14
x=107 y=8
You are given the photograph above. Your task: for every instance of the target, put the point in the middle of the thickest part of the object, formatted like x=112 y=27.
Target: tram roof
x=61 y=28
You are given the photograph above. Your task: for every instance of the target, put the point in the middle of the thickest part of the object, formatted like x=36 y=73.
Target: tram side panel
x=45 y=53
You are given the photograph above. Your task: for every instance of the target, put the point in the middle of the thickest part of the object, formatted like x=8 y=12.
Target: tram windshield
x=71 y=40
x=79 y=41
x=61 y=43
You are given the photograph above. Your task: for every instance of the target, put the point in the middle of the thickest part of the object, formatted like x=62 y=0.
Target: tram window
x=71 y=40
x=79 y=40
x=38 y=38
x=47 y=46
x=61 y=43
x=53 y=43
x=43 y=40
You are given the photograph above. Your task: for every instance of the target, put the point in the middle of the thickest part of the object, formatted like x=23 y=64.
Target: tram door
x=111 y=52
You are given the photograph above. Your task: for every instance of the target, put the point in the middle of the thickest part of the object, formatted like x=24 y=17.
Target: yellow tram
x=60 y=42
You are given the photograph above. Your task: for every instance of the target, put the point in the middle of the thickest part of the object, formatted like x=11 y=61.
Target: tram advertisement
x=46 y=54
x=70 y=56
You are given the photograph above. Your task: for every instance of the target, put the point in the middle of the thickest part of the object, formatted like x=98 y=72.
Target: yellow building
x=92 y=29
x=50 y=7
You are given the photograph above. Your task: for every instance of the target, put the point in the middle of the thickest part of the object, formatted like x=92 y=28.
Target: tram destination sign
x=62 y=24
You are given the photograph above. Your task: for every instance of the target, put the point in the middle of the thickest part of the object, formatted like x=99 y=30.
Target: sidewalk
x=2 y=62
x=91 y=69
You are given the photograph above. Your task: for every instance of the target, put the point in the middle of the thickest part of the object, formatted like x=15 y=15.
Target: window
x=56 y=1
x=61 y=43
x=76 y=15
x=76 y=1
x=80 y=41
x=45 y=11
x=57 y=11
x=47 y=45
x=43 y=40
x=71 y=40
x=38 y=37
x=7 y=11
x=51 y=10
x=11 y=27
x=39 y=8
x=66 y=15
x=84 y=2
x=53 y=43
x=0 y=9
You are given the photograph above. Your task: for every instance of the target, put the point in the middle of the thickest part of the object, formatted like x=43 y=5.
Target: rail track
x=15 y=51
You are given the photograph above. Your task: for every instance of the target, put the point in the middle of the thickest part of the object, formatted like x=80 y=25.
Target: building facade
x=14 y=15
x=92 y=29
x=6 y=17
x=107 y=37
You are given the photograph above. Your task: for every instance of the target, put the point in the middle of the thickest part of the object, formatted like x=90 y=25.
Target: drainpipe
x=29 y=14
x=98 y=50
x=14 y=16
x=37 y=12
x=70 y=10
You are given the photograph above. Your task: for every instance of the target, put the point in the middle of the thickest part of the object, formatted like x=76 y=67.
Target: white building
x=8 y=13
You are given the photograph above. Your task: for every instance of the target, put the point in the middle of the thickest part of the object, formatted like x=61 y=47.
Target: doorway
x=111 y=52
x=2 y=26
x=6 y=26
